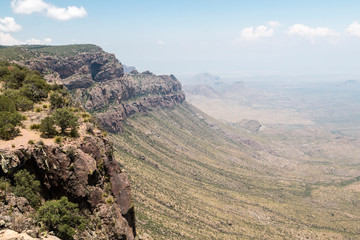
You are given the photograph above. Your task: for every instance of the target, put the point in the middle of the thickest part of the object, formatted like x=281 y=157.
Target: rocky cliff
x=83 y=170
x=97 y=80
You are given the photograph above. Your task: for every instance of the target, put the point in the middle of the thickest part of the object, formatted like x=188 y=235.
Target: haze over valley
x=191 y=120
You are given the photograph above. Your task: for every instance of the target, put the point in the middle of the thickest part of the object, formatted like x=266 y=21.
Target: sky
x=243 y=38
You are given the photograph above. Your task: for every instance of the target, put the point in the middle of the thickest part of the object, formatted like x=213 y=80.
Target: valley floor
x=195 y=178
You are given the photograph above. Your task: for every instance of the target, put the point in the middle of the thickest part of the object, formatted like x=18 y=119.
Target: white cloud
x=353 y=29
x=274 y=24
x=8 y=24
x=161 y=42
x=7 y=39
x=28 y=6
x=63 y=14
x=34 y=41
x=253 y=34
x=311 y=33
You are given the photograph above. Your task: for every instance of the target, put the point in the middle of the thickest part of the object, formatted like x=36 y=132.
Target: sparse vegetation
x=22 y=87
x=47 y=127
x=35 y=126
x=26 y=186
x=62 y=217
x=226 y=192
x=58 y=139
x=59 y=99
x=65 y=119
x=9 y=119
x=90 y=128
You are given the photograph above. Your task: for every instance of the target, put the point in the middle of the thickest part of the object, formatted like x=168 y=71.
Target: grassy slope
x=191 y=181
x=26 y=52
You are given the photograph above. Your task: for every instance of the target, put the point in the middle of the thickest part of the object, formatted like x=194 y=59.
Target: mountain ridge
x=97 y=80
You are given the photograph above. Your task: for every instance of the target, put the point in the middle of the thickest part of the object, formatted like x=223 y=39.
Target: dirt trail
x=23 y=139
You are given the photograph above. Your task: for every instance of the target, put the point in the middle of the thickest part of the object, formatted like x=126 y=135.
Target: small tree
x=62 y=217
x=8 y=123
x=33 y=92
x=26 y=186
x=58 y=101
x=47 y=127
x=65 y=119
x=21 y=102
x=6 y=104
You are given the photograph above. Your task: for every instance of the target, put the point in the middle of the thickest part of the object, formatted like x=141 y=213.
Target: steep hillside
x=58 y=173
x=194 y=178
x=191 y=176
x=96 y=79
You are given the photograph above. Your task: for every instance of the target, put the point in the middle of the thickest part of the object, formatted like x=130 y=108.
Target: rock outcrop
x=86 y=172
x=98 y=82
x=8 y=234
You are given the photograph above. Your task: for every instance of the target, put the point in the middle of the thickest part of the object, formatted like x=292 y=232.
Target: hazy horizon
x=233 y=38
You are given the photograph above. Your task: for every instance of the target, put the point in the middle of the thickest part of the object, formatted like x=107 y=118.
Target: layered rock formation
x=97 y=80
x=84 y=171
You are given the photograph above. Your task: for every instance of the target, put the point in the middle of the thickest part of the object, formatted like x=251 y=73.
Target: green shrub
x=4 y=184
x=21 y=102
x=26 y=186
x=45 y=106
x=74 y=133
x=104 y=133
x=8 y=123
x=6 y=104
x=8 y=131
x=90 y=128
x=58 y=100
x=62 y=217
x=38 y=109
x=31 y=142
x=65 y=119
x=110 y=200
x=85 y=115
x=33 y=92
x=47 y=127
x=58 y=139
x=35 y=126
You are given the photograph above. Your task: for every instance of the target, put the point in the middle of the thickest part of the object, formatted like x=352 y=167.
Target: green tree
x=8 y=123
x=34 y=92
x=6 y=104
x=65 y=119
x=62 y=217
x=59 y=100
x=47 y=127
x=21 y=102
x=26 y=186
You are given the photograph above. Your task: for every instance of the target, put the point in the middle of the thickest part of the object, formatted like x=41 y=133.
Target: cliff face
x=97 y=80
x=84 y=171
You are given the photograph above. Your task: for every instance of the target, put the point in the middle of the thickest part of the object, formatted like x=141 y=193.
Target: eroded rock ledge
x=86 y=172
x=98 y=82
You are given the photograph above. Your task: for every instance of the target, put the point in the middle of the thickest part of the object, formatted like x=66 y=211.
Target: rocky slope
x=97 y=80
x=83 y=170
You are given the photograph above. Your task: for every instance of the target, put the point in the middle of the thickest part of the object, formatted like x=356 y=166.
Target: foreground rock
x=8 y=234
x=84 y=171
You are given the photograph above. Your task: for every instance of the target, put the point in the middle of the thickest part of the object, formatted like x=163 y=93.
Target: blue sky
x=228 y=37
